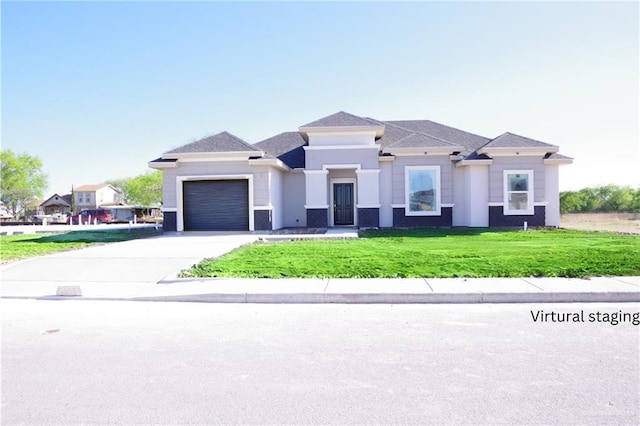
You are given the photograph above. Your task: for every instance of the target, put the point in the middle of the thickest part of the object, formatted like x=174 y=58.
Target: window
x=518 y=192
x=422 y=190
x=80 y=197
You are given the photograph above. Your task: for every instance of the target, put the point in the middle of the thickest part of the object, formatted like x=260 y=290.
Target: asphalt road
x=90 y=362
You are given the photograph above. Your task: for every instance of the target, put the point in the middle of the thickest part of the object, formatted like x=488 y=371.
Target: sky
x=98 y=89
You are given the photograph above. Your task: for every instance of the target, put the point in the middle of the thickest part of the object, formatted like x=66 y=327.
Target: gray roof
x=222 y=142
x=340 y=119
x=419 y=140
x=556 y=156
x=287 y=147
x=509 y=140
x=469 y=141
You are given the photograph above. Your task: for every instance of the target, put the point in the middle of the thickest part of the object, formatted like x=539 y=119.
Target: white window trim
x=530 y=204
x=438 y=197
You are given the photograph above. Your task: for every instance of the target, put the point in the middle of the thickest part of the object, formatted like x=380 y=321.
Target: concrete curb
x=370 y=298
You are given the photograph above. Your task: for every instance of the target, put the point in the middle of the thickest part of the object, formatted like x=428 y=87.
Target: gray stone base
x=262 y=220
x=369 y=218
x=400 y=220
x=317 y=218
x=498 y=219
x=170 y=222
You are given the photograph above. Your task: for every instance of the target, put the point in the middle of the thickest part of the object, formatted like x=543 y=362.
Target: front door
x=343 y=204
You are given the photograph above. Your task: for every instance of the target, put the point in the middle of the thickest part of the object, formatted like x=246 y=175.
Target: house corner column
x=316 y=201
x=552 y=194
x=368 y=201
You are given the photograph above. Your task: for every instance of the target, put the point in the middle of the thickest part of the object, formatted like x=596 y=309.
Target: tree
x=143 y=190
x=22 y=180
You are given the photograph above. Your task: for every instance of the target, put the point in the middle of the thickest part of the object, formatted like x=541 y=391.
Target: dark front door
x=343 y=204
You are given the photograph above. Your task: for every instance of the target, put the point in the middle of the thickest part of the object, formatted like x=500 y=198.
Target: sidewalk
x=145 y=270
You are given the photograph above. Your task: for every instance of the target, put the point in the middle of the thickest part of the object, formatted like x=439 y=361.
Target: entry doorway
x=343 y=195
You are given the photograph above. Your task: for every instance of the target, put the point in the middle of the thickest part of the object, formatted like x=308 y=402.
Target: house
x=346 y=170
x=94 y=196
x=56 y=204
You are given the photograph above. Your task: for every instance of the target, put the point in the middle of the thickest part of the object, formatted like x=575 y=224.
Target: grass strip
x=16 y=247
x=437 y=253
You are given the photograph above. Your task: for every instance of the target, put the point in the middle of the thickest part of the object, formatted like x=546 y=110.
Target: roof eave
x=420 y=150
x=482 y=162
x=208 y=155
x=274 y=162
x=559 y=161
x=525 y=150
x=379 y=130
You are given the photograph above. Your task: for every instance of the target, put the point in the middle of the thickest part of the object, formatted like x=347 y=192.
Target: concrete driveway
x=124 y=264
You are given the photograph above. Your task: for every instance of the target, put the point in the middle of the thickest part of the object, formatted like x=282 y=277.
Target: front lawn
x=14 y=247
x=435 y=253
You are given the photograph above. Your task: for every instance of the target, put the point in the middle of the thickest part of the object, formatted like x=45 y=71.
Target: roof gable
x=469 y=141
x=287 y=147
x=221 y=142
x=340 y=119
x=510 y=140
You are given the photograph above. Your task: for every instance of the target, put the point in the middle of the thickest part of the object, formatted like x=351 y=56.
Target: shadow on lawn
x=429 y=232
x=105 y=236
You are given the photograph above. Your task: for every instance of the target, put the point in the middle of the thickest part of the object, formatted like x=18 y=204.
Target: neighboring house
x=345 y=170
x=94 y=196
x=56 y=204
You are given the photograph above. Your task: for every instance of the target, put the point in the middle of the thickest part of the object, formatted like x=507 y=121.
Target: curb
x=369 y=298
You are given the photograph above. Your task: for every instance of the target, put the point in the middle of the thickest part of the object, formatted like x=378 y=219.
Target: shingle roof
x=419 y=140
x=339 y=119
x=510 y=140
x=287 y=147
x=221 y=142
x=469 y=141
x=556 y=156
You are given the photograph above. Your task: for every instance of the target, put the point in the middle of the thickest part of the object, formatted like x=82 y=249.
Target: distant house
x=345 y=170
x=94 y=196
x=56 y=204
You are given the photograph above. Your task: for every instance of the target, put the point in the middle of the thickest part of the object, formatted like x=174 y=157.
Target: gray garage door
x=216 y=205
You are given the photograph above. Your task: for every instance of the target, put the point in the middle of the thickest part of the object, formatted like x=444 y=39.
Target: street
x=105 y=362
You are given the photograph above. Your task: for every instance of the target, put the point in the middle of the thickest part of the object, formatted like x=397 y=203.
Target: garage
x=216 y=205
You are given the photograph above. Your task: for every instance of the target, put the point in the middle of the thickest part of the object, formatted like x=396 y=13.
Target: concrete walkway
x=146 y=270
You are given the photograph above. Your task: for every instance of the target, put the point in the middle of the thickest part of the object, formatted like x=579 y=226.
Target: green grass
x=15 y=247
x=435 y=253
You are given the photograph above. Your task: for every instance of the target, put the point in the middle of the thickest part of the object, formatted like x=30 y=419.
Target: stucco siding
x=186 y=169
x=356 y=138
x=460 y=215
x=366 y=157
x=294 y=213
x=275 y=194
x=500 y=164
x=446 y=175
x=386 y=194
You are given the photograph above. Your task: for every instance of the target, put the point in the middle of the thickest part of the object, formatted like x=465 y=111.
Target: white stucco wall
x=276 y=197
x=367 y=157
x=386 y=196
x=316 y=189
x=477 y=195
x=552 y=195
x=294 y=213
x=460 y=209
x=368 y=188
x=341 y=139
x=226 y=168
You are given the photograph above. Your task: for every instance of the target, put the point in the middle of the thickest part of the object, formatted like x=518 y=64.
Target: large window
x=422 y=190
x=518 y=192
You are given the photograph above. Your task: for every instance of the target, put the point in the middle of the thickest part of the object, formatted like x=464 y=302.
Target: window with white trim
x=518 y=192
x=422 y=190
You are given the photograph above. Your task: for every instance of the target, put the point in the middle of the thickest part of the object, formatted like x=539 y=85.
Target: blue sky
x=97 y=89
